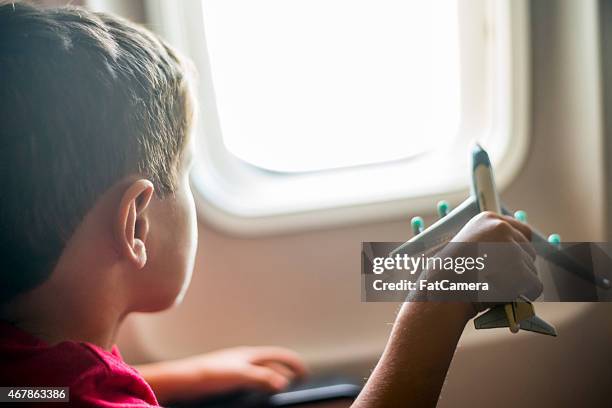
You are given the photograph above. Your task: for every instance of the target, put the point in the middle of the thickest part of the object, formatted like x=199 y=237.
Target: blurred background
x=325 y=124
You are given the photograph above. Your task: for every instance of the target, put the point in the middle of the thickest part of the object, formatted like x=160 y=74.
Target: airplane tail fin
x=535 y=324
x=494 y=318
x=522 y=317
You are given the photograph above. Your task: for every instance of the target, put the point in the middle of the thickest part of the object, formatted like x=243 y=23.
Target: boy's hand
x=264 y=368
x=269 y=369
x=490 y=227
x=414 y=364
x=517 y=275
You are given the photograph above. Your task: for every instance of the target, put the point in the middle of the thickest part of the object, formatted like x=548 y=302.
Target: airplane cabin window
x=308 y=85
x=372 y=104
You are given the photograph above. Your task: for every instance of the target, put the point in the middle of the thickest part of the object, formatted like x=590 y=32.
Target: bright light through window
x=305 y=85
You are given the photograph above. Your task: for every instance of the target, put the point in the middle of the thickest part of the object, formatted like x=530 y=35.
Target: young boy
x=98 y=221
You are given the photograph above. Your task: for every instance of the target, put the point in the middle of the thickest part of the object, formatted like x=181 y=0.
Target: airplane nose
x=479 y=156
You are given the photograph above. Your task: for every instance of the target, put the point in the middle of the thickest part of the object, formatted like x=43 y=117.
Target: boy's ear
x=132 y=225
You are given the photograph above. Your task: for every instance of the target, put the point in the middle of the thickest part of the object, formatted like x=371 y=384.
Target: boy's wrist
x=168 y=379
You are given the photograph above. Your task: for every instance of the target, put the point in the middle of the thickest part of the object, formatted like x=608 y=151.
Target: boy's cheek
x=190 y=245
x=171 y=249
x=188 y=226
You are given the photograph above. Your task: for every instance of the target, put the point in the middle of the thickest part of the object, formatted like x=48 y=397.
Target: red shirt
x=95 y=377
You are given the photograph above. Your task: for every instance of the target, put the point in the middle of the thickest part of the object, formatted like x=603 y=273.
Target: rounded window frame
x=245 y=200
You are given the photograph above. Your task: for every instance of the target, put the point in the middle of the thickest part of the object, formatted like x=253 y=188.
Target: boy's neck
x=55 y=313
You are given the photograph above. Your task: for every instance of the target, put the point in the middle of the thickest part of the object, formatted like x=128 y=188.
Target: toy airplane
x=519 y=314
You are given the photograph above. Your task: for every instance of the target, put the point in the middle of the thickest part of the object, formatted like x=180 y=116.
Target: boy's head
x=94 y=120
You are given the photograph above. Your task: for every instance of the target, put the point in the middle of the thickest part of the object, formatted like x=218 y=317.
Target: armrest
x=305 y=395
x=324 y=393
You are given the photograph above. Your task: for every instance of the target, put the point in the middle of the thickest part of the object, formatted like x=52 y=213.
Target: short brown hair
x=85 y=99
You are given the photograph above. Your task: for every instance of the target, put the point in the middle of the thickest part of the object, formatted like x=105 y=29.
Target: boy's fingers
x=520 y=226
x=526 y=247
x=281 y=368
x=265 y=355
x=535 y=291
x=535 y=286
x=522 y=235
x=265 y=378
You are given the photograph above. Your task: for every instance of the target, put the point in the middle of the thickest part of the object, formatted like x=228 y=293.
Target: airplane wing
x=442 y=231
x=433 y=238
